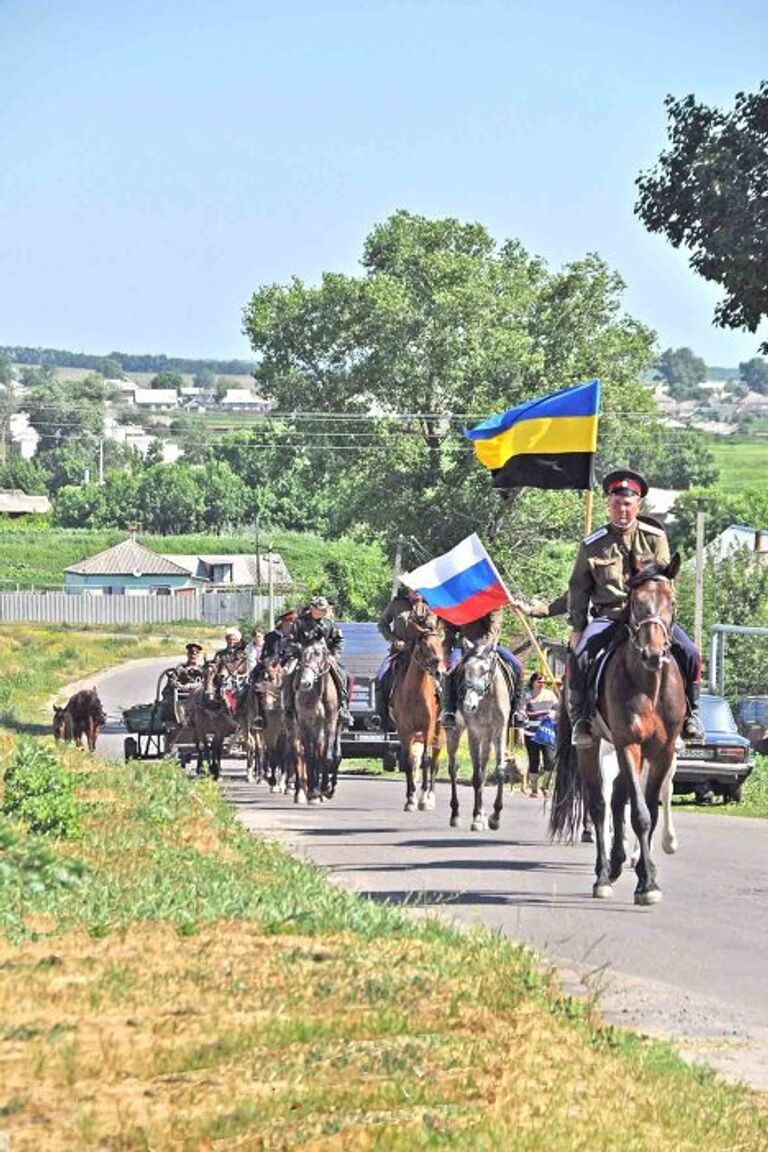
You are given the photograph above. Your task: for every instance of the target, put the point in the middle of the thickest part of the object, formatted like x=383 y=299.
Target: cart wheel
x=130 y=748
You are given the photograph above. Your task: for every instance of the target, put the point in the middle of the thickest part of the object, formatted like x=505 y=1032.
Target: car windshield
x=716 y=714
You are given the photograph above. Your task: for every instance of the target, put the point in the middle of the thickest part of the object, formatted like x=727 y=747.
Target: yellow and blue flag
x=544 y=443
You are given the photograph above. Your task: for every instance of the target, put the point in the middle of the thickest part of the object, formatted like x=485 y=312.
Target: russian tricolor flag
x=462 y=585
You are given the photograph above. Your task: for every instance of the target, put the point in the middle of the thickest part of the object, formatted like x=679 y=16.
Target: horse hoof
x=455 y=822
x=300 y=798
x=616 y=873
x=410 y=806
x=652 y=896
x=669 y=846
x=479 y=824
x=274 y=788
x=314 y=800
x=602 y=892
x=494 y=823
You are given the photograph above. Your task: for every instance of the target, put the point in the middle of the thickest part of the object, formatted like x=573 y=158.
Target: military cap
x=194 y=644
x=625 y=482
x=289 y=614
x=319 y=602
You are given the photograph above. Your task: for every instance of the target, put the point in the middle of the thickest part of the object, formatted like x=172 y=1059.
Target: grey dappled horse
x=484 y=710
x=317 y=720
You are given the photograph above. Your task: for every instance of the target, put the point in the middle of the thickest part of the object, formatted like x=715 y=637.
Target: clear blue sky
x=162 y=160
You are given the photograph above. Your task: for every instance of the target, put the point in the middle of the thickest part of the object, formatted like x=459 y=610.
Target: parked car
x=364 y=650
x=720 y=764
x=752 y=721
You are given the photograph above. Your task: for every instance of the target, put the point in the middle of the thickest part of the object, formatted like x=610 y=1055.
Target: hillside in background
x=130 y=361
x=356 y=577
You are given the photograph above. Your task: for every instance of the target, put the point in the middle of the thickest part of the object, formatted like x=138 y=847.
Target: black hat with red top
x=625 y=482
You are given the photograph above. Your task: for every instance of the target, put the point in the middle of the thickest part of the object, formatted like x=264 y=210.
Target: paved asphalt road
x=694 y=967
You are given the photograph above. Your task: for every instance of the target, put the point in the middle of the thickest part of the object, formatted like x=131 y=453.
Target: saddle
x=612 y=639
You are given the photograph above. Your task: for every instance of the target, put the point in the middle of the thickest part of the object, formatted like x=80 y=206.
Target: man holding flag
x=485 y=630
x=464 y=588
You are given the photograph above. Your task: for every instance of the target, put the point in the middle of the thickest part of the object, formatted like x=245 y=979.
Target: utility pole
x=398 y=565
x=271 y=592
x=698 y=604
x=101 y=461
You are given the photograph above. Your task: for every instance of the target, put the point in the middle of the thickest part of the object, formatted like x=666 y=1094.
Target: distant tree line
x=127 y=361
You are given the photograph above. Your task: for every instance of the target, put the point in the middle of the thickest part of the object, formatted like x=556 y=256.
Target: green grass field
x=169 y=981
x=37 y=557
x=740 y=459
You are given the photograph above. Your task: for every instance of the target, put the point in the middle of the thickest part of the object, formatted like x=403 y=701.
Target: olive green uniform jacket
x=486 y=630
x=606 y=560
x=393 y=622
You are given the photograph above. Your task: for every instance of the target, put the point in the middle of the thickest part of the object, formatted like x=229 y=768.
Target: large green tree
x=444 y=326
x=709 y=193
x=683 y=372
x=754 y=373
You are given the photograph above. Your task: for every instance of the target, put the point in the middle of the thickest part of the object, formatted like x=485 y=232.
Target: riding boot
x=450 y=693
x=379 y=718
x=519 y=718
x=579 y=704
x=693 y=729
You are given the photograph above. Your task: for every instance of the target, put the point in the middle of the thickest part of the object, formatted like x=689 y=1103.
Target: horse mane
x=655 y=571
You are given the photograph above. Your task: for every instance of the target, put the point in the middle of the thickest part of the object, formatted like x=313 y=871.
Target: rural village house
x=130 y=569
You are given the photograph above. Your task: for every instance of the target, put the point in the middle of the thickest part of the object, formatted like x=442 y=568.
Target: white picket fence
x=62 y=608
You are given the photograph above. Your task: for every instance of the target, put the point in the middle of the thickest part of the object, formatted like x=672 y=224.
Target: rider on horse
x=232 y=661
x=313 y=624
x=484 y=631
x=599 y=586
x=276 y=642
x=395 y=627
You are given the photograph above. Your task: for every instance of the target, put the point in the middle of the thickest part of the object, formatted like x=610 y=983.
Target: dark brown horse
x=415 y=709
x=80 y=719
x=641 y=709
x=211 y=722
x=277 y=735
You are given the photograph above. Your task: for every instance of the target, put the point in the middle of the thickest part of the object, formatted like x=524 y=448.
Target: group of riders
x=595 y=604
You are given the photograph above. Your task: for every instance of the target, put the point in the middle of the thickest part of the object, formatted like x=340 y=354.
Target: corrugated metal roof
x=127 y=559
x=245 y=567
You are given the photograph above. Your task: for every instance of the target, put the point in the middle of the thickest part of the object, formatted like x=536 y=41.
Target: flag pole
x=588 y=501
x=549 y=675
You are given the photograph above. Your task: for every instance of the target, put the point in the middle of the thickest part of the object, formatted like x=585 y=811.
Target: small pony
x=80 y=719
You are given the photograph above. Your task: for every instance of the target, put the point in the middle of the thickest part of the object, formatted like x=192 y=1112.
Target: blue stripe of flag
x=461 y=586
x=583 y=400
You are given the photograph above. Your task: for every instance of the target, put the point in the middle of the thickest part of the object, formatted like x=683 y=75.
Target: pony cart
x=189 y=722
x=161 y=728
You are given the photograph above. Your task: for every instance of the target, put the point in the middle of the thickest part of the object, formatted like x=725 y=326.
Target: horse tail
x=566 y=811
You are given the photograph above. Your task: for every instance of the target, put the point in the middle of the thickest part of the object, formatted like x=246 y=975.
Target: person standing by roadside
x=541 y=711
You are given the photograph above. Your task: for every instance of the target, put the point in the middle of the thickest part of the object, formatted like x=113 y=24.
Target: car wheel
x=130 y=748
x=389 y=760
x=704 y=796
x=732 y=794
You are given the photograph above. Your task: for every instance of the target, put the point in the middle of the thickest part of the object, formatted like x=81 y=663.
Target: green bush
x=40 y=791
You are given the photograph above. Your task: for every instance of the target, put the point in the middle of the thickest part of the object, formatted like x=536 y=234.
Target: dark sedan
x=720 y=765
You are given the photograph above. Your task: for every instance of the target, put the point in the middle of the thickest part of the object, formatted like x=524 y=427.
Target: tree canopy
x=379 y=372
x=709 y=192
x=682 y=371
x=754 y=373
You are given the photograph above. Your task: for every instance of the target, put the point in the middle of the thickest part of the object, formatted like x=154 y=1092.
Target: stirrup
x=582 y=735
x=692 y=727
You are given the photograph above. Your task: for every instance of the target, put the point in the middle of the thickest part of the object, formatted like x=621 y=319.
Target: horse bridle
x=325 y=660
x=432 y=665
x=481 y=687
x=634 y=627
